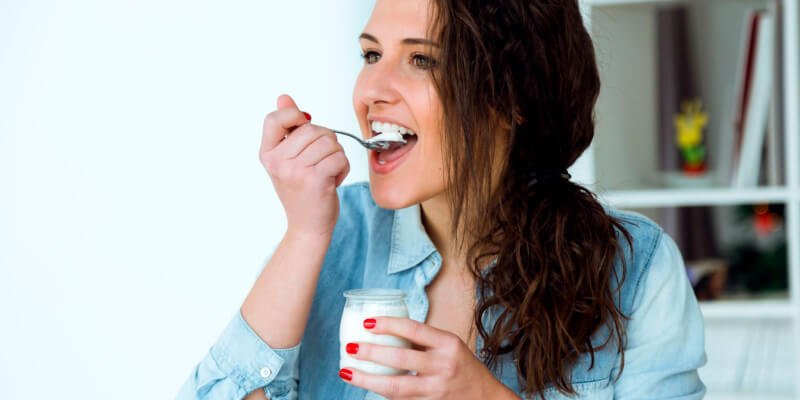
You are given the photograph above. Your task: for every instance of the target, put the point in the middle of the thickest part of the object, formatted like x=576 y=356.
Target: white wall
x=134 y=213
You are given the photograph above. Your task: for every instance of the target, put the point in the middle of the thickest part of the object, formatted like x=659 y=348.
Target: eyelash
x=431 y=62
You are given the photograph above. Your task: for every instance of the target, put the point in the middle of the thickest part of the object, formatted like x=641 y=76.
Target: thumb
x=286 y=101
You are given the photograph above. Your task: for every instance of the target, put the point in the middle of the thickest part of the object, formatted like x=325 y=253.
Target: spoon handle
x=351 y=135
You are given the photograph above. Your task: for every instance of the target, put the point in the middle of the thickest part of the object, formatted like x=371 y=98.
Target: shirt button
x=265 y=372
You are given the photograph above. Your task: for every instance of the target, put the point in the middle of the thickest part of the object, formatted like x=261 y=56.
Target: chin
x=389 y=196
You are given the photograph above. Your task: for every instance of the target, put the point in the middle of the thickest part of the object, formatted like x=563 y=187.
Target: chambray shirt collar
x=410 y=242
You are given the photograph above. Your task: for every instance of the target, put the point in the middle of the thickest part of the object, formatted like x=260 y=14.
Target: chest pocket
x=590 y=383
x=595 y=390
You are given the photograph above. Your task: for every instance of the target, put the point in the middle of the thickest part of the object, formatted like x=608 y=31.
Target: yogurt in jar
x=368 y=303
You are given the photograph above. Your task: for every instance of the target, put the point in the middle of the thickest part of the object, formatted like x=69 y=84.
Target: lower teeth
x=381 y=162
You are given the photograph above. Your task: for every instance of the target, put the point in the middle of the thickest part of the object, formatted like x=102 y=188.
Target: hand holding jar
x=376 y=353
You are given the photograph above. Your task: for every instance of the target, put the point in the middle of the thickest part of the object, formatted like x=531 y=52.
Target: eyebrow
x=404 y=41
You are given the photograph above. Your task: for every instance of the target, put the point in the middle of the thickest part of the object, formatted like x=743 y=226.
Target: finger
x=278 y=124
x=301 y=139
x=389 y=386
x=285 y=101
x=322 y=147
x=407 y=328
x=395 y=357
x=341 y=177
x=333 y=165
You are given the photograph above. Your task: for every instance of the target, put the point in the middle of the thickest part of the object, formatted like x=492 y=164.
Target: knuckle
x=269 y=117
x=300 y=132
x=393 y=387
x=328 y=141
x=452 y=343
x=270 y=121
x=399 y=356
x=341 y=161
x=417 y=332
x=449 y=369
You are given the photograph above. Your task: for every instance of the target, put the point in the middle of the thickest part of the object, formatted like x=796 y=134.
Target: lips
x=386 y=161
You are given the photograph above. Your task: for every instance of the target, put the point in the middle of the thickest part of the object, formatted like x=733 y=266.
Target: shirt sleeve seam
x=647 y=265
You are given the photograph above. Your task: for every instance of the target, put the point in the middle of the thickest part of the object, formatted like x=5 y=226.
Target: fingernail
x=352 y=348
x=346 y=374
x=369 y=323
x=308 y=116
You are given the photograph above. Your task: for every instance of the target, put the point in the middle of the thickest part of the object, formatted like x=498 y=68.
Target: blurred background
x=697 y=128
x=135 y=214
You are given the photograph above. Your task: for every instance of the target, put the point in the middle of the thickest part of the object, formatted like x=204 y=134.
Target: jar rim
x=375 y=294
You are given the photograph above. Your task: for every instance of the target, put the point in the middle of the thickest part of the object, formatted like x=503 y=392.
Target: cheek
x=359 y=106
x=433 y=141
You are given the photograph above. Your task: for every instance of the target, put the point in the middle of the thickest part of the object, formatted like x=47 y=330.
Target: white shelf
x=602 y=3
x=748 y=309
x=694 y=197
x=747 y=396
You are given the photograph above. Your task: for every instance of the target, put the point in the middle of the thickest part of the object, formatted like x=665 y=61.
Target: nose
x=378 y=84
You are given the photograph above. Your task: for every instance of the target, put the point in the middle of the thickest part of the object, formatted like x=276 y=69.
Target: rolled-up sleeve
x=665 y=338
x=239 y=363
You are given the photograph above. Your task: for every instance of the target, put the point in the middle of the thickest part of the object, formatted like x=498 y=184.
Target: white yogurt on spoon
x=388 y=137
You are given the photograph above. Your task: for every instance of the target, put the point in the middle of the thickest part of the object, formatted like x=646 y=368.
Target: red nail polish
x=369 y=323
x=346 y=374
x=308 y=116
x=351 y=348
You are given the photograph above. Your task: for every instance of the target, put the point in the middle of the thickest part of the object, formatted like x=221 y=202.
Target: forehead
x=398 y=19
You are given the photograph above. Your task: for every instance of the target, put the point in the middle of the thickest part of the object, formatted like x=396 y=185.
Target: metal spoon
x=379 y=145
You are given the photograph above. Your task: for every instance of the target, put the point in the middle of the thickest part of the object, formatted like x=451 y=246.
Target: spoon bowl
x=378 y=145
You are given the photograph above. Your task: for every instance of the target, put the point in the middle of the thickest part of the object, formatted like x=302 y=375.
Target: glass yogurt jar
x=361 y=304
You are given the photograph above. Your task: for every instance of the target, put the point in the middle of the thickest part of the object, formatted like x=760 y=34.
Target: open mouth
x=393 y=132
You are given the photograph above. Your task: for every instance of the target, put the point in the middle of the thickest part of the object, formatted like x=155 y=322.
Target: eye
x=370 y=57
x=422 y=61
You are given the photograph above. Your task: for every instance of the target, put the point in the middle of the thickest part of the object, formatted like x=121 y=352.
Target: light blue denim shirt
x=375 y=247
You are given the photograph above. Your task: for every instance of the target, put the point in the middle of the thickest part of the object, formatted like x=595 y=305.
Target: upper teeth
x=383 y=127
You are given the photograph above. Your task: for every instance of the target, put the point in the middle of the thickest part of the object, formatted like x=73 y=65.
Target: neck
x=436 y=220
x=435 y=214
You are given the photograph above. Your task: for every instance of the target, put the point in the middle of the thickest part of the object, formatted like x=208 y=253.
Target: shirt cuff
x=249 y=361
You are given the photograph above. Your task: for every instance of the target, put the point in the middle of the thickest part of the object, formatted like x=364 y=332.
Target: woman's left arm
x=665 y=336
x=446 y=369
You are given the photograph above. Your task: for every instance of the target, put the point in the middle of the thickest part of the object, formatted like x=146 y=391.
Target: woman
x=527 y=287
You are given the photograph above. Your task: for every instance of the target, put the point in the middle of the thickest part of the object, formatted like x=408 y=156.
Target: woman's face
x=394 y=86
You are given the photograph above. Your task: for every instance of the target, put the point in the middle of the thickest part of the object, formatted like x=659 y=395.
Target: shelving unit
x=626 y=112
x=748 y=309
x=647 y=198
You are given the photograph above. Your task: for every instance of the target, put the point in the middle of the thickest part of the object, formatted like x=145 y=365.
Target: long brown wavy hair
x=527 y=67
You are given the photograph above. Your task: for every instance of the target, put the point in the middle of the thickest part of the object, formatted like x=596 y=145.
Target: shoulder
x=645 y=235
x=641 y=228
x=648 y=248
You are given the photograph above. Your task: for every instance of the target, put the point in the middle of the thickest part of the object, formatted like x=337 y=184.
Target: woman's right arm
x=278 y=304
x=260 y=347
